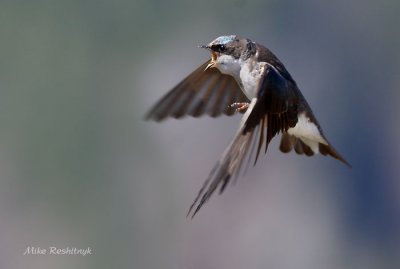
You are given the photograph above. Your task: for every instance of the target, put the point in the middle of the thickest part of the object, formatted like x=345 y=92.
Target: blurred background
x=79 y=167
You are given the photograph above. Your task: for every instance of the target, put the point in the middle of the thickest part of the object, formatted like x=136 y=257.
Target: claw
x=240 y=106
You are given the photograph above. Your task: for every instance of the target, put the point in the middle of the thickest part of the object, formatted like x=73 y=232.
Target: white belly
x=250 y=75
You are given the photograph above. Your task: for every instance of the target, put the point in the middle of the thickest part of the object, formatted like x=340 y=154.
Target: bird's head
x=227 y=53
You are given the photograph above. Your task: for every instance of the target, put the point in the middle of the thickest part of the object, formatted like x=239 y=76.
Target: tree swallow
x=243 y=76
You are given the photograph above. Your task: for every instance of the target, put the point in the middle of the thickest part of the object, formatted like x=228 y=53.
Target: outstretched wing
x=274 y=110
x=202 y=92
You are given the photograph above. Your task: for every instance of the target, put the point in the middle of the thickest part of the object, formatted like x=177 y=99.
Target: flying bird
x=246 y=77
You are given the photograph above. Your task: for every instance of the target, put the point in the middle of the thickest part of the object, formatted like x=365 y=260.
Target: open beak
x=213 y=57
x=212 y=62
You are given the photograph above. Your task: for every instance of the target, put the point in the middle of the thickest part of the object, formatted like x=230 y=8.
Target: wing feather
x=202 y=92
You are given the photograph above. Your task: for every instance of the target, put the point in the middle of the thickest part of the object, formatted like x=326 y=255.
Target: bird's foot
x=240 y=107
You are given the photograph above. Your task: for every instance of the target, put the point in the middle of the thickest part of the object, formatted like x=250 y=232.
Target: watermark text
x=52 y=250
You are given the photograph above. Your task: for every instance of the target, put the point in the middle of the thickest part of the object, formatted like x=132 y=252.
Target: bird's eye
x=219 y=48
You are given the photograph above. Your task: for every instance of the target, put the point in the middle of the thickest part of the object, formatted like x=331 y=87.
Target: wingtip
x=151 y=116
x=190 y=211
x=345 y=162
x=329 y=150
x=340 y=158
x=190 y=214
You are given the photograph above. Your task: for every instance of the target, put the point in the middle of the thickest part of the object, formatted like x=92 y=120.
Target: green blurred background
x=80 y=168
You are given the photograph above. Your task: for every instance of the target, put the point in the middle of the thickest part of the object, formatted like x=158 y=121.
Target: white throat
x=228 y=65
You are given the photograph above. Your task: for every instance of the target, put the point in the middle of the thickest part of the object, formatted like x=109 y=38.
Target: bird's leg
x=240 y=107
